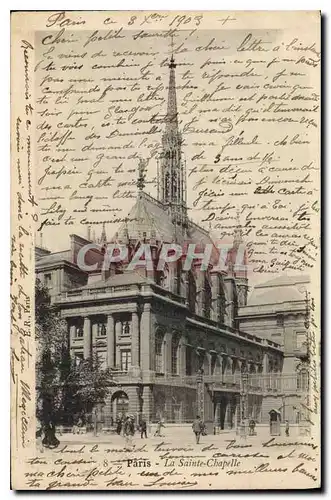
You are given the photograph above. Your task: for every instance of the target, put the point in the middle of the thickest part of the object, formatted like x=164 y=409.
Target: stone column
x=217 y=416
x=230 y=377
x=266 y=373
x=110 y=341
x=145 y=339
x=227 y=419
x=148 y=403
x=265 y=363
x=289 y=341
x=237 y=415
x=182 y=357
x=225 y=369
x=221 y=360
x=215 y=297
x=135 y=340
x=238 y=372
x=207 y=364
x=87 y=337
x=118 y=331
x=72 y=333
x=94 y=332
x=167 y=352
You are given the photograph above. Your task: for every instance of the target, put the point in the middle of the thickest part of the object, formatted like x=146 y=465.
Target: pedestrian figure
x=39 y=438
x=119 y=426
x=50 y=440
x=143 y=429
x=76 y=426
x=198 y=428
x=251 y=427
x=129 y=430
x=159 y=426
x=287 y=428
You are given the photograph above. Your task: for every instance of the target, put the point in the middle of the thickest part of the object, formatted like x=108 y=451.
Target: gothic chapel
x=171 y=336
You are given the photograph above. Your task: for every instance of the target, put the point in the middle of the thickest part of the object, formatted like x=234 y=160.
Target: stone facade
x=277 y=310
x=156 y=347
x=179 y=342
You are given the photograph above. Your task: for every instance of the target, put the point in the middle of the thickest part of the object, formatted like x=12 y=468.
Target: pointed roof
x=147 y=217
x=150 y=219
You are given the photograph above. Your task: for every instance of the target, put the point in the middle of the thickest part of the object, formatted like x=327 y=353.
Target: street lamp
x=244 y=403
x=200 y=394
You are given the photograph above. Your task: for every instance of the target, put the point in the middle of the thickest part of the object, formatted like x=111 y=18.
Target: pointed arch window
x=192 y=292
x=174 y=187
x=165 y=279
x=234 y=365
x=207 y=297
x=174 y=354
x=189 y=360
x=221 y=305
x=166 y=186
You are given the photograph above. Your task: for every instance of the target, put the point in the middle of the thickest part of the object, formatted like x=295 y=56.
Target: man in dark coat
x=198 y=427
x=119 y=426
x=143 y=429
x=50 y=440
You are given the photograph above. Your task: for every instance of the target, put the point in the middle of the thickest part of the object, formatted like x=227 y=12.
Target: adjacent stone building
x=278 y=310
x=180 y=342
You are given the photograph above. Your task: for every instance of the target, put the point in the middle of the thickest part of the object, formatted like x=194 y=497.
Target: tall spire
x=141 y=174
x=172 y=182
x=172 y=114
x=238 y=232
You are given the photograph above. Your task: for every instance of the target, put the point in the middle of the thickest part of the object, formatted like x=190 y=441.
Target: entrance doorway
x=225 y=410
x=119 y=405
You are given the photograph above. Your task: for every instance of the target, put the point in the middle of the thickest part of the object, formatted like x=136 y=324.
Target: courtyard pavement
x=175 y=461
x=179 y=434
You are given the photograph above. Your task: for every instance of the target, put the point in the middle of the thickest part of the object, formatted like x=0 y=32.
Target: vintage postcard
x=165 y=250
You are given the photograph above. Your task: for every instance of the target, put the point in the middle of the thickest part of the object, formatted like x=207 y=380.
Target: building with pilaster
x=279 y=310
x=175 y=339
